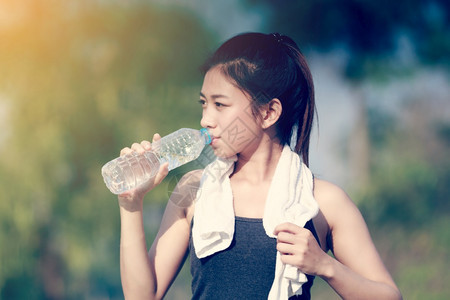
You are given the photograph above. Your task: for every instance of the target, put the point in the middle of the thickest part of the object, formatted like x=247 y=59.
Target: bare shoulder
x=348 y=234
x=191 y=178
x=348 y=237
x=185 y=192
x=329 y=194
x=334 y=202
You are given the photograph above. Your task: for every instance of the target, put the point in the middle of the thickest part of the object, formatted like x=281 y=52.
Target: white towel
x=290 y=199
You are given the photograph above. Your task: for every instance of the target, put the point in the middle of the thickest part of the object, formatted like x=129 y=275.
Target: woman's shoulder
x=328 y=193
x=191 y=178
x=186 y=188
x=334 y=202
x=338 y=215
x=185 y=192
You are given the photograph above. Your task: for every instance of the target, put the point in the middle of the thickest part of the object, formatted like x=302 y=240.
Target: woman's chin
x=219 y=152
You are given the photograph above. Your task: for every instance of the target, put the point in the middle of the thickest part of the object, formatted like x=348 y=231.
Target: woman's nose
x=207 y=120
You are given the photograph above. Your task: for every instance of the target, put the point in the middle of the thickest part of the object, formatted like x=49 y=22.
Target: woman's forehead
x=216 y=82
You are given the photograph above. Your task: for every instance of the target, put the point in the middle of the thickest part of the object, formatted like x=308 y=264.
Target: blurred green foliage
x=79 y=82
x=406 y=203
x=410 y=167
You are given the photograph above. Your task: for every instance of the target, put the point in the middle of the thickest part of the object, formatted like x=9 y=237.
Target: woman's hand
x=298 y=247
x=132 y=200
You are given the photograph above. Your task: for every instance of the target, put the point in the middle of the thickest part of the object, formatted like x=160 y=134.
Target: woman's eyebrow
x=214 y=96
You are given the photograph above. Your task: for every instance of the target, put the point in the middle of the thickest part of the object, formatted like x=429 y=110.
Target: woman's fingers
x=125 y=151
x=287 y=227
x=162 y=173
x=139 y=148
x=146 y=145
x=156 y=137
x=285 y=237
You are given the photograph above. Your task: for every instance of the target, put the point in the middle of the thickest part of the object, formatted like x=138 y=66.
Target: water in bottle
x=131 y=170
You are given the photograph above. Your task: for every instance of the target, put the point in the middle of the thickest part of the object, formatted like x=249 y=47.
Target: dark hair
x=268 y=66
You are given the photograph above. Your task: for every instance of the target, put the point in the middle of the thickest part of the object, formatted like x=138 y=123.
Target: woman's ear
x=271 y=112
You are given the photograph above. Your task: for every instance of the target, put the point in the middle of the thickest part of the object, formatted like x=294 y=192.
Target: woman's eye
x=202 y=102
x=218 y=104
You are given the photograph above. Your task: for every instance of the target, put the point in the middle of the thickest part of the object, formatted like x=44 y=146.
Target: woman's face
x=227 y=115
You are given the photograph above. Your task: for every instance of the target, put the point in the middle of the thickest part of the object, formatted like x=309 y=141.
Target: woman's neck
x=260 y=164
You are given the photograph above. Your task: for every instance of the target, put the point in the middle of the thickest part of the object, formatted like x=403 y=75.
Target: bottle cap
x=207 y=136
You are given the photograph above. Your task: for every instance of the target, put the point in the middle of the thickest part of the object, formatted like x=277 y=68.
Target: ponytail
x=303 y=133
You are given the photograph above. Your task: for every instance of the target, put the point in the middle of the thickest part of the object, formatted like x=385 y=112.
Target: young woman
x=259 y=221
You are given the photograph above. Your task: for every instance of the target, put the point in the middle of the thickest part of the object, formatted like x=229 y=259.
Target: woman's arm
x=358 y=271
x=148 y=275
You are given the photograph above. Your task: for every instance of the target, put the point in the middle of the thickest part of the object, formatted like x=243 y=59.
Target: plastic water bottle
x=131 y=170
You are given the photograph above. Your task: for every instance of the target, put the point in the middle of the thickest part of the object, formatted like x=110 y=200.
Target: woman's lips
x=214 y=140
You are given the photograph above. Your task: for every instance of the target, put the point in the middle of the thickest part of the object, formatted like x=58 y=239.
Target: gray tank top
x=245 y=270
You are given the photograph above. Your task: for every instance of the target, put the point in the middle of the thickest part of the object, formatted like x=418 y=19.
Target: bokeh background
x=79 y=80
